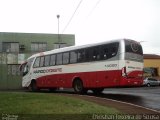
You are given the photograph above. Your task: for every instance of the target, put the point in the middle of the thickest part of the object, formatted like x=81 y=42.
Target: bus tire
x=78 y=87
x=98 y=90
x=33 y=86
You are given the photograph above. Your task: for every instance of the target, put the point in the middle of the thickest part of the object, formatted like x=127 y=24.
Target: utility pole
x=59 y=42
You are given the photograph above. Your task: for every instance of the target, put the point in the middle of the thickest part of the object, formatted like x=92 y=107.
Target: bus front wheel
x=78 y=87
x=33 y=86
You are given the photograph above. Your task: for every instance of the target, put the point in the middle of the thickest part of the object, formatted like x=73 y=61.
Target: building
x=16 y=47
x=152 y=65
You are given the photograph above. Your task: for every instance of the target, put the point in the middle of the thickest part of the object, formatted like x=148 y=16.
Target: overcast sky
x=94 y=20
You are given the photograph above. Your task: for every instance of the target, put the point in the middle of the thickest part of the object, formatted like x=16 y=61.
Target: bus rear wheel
x=33 y=86
x=78 y=87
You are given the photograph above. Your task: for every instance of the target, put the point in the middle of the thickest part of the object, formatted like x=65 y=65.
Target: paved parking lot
x=144 y=96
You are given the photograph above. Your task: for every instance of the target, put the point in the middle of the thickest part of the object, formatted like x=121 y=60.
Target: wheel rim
x=78 y=86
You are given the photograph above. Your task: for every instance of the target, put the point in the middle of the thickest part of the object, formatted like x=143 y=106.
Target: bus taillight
x=124 y=72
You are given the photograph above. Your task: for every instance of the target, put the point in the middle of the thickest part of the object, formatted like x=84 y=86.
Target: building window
x=13 y=69
x=150 y=72
x=59 y=45
x=10 y=47
x=38 y=47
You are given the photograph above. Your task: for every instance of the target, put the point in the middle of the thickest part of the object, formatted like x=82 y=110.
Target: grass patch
x=48 y=105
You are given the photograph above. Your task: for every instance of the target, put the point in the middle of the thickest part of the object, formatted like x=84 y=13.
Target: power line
x=95 y=6
x=72 y=16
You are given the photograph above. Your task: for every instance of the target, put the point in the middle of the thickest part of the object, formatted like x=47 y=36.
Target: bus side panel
x=41 y=81
x=131 y=82
x=90 y=79
x=52 y=79
x=65 y=80
x=108 y=78
x=46 y=81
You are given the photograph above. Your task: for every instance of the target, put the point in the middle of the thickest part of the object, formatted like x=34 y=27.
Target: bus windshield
x=133 y=51
x=25 y=67
x=133 y=47
x=21 y=68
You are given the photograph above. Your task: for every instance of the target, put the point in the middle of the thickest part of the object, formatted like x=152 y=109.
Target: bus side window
x=66 y=58
x=37 y=62
x=87 y=54
x=81 y=55
x=113 y=49
x=47 y=60
x=42 y=61
x=104 y=52
x=53 y=60
x=109 y=50
x=95 y=55
x=59 y=59
x=73 y=56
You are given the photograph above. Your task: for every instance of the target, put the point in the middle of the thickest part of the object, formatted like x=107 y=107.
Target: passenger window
x=73 y=57
x=87 y=54
x=113 y=50
x=53 y=60
x=109 y=50
x=81 y=55
x=37 y=62
x=95 y=53
x=59 y=59
x=104 y=52
x=42 y=62
x=66 y=58
x=47 y=60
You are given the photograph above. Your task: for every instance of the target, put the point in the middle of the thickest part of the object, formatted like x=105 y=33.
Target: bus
x=115 y=63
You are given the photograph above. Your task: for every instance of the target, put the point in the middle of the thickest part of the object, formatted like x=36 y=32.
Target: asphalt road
x=148 y=97
x=144 y=96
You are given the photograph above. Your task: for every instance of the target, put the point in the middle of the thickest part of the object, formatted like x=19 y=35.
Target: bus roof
x=65 y=49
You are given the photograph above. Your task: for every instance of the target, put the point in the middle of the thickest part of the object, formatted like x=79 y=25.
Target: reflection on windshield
x=26 y=70
x=134 y=57
x=26 y=67
x=133 y=47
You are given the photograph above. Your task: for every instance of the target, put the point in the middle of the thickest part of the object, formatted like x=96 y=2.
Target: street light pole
x=58 y=16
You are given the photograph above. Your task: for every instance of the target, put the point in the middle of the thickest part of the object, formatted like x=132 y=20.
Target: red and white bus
x=116 y=63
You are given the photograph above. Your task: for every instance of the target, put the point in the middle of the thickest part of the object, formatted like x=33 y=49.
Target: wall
x=152 y=63
x=9 y=62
